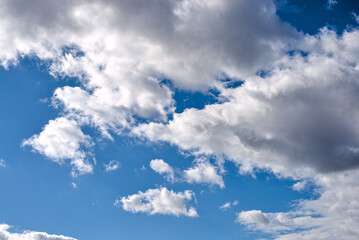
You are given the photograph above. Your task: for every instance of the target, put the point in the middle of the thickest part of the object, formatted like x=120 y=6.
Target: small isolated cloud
x=2 y=163
x=225 y=206
x=252 y=217
x=203 y=172
x=228 y=205
x=61 y=139
x=112 y=166
x=161 y=167
x=28 y=235
x=159 y=201
x=74 y=185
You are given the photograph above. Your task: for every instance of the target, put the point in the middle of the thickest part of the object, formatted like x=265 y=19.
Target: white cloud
x=112 y=166
x=61 y=139
x=159 y=201
x=161 y=167
x=74 y=185
x=334 y=215
x=300 y=133
x=225 y=206
x=203 y=172
x=228 y=205
x=297 y=120
x=28 y=235
x=252 y=217
x=2 y=163
x=299 y=186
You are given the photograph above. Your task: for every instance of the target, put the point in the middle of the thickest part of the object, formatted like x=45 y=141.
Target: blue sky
x=179 y=119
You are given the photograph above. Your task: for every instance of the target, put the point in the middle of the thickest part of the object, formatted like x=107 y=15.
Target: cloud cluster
x=28 y=235
x=121 y=51
x=298 y=118
x=159 y=201
x=296 y=115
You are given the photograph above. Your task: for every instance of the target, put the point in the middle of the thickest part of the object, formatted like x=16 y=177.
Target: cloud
x=2 y=163
x=333 y=215
x=159 y=201
x=61 y=139
x=299 y=186
x=253 y=216
x=121 y=51
x=203 y=172
x=161 y=167
x=298 y=118
x=74 y=185
x=228 y=205
x=112 y=166
x=28 y=235
x=225 y=206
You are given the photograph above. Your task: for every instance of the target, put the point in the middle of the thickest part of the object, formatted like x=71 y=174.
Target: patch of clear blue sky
x=36 y=193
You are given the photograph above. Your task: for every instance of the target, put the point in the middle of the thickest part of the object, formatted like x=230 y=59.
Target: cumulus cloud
x=28 y=235
x=159 y=201
x=122 y=50
x=298 y=118
x=203 y=172
x=112 y=166
x=161 y=167
x=61 y=139
x=253 y=216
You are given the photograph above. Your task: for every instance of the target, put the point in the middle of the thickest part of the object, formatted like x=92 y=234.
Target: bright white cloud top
x=296 y=115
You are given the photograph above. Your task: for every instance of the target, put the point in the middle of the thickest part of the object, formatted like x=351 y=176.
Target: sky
x=179 y=119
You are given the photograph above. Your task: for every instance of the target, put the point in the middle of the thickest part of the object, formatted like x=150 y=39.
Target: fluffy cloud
x=112 y=166
x=253 y=216
x=61 y=139
x=203 y=172
x=161 y=167
x=122 y=50
x=28 y=235
x=159 y=201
